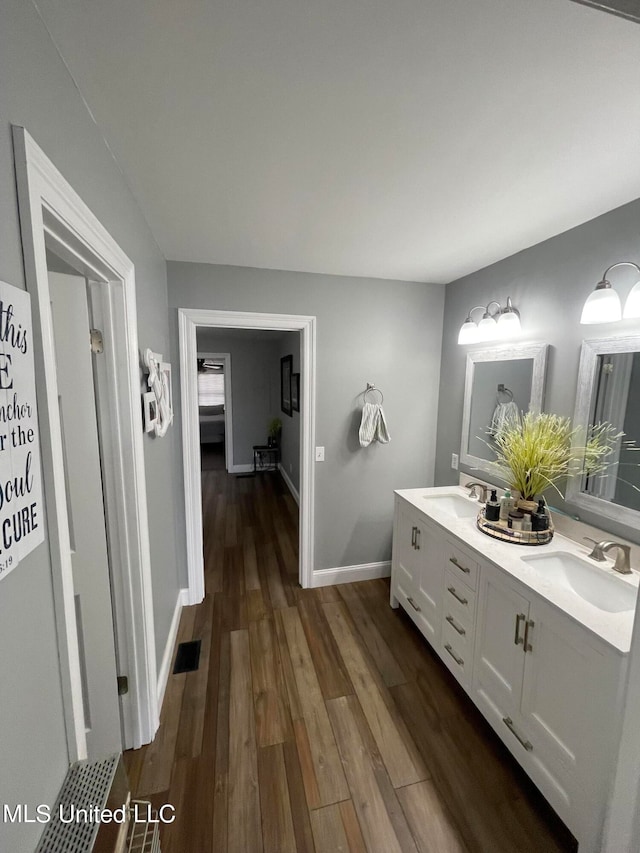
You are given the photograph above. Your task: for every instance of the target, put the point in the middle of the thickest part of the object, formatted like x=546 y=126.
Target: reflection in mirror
x=501 y=394
x=609 y=392
x=502 y=383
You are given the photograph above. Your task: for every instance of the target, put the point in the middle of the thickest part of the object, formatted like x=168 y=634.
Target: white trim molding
x=189 y=319
x=167 y=657
x=52 y=214
x=351 y=574
x=294 y=492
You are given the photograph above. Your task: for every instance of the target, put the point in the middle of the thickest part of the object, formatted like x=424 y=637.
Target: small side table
x=265 y=458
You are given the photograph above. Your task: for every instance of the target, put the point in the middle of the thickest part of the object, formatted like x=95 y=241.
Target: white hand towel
x=373 y=426
x=506 y=416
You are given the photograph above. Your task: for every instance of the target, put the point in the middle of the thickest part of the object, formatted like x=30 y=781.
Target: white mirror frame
x=512 y=352
x=591 y=349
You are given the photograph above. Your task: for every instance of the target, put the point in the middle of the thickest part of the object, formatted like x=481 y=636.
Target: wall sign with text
x=21 y=512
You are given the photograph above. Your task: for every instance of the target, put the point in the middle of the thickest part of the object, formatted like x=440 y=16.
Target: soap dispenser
x=492 y=507
x=540 y=519
x=507 y=505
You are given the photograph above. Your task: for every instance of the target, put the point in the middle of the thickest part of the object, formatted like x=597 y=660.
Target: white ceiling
x=413 y=139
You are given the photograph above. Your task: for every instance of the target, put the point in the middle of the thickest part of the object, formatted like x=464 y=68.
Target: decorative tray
x=500 y=530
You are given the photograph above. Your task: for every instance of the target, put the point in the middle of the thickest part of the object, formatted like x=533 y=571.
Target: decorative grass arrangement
x=544 y=449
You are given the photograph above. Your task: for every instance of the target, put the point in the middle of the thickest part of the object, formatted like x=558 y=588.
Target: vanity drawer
x=453 y=631
x=457 y=655
x=411 y=604
x=461 y=564
x=459 y=600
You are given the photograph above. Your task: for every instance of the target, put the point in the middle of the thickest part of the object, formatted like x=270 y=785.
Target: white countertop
x=614 y=628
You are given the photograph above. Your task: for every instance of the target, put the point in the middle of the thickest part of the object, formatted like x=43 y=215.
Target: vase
x=527 y=506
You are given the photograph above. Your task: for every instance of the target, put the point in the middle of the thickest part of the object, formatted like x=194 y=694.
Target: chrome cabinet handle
x=459 y=565
x=414 y=530
x=413 y=604
x=528 y=626
x=518 y=639
x=458 y=660
x=509 y=724
x=455 y=625
x=459 y=598
x=418 y=535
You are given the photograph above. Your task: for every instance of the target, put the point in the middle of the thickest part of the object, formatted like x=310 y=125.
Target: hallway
x=319 y=719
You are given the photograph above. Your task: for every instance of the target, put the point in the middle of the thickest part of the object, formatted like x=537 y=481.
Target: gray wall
x=548 y=284
x=37 y=92
x=290 y=441
x=255 y=384
x=368 y=330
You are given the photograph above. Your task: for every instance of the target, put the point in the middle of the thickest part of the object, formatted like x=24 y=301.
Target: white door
x=499 y=667
x=429 y=579
x=87 y=532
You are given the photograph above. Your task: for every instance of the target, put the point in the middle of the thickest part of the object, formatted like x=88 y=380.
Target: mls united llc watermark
x=69 y=813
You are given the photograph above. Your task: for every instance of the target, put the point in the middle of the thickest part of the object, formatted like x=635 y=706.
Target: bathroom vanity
x=537 y=636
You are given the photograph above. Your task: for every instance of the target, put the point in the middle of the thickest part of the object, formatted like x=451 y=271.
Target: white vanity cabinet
x=550 y=689
x=417 y=575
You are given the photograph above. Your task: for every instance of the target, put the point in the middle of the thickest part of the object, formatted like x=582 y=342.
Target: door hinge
x=97 y=344
x=123 y=685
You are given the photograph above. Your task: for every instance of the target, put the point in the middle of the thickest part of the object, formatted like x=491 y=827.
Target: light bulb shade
x=602 y=306
x=468 y=333
x=508 y=324
x=632 y=305
x=487 y=329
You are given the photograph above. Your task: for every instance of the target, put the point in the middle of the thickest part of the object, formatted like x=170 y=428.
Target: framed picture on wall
x=295 y=392
x=286 y=369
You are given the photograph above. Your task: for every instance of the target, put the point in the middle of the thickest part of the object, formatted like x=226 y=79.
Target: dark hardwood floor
x=320 y=719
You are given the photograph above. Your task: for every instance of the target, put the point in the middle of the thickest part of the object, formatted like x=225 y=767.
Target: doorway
x=54 y=218
x=215 y=407
x=83 y=463
x=189 y=320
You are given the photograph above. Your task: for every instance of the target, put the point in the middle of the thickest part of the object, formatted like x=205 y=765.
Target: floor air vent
x=187 y=657
x=88 y=789
x=87 y=785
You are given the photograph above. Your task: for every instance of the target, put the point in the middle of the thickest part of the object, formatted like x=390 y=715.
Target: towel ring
x=371 y=388
x=506 y=391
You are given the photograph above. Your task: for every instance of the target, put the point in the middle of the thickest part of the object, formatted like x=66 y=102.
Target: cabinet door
x=499 y=661
x=405 y=555
x=568 y=708
x=429 y=548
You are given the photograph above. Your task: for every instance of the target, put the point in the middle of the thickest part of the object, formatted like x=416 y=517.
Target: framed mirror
x=501 y=384
x=609 y=391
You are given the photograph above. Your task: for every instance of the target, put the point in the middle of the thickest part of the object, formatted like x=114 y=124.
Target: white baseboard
x=242 y=469
x=350 y=574
x=289 y=484
x=163 y=675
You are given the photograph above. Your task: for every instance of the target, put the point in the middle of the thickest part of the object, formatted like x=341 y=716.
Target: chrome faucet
x=623 y=555
x=473 y=494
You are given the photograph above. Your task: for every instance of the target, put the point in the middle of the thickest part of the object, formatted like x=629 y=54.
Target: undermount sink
x=453 y=504
x=592 y=583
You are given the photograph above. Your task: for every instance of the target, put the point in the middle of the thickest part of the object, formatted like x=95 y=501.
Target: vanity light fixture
x=496 y=322
x=603 y=305
x=509 y=320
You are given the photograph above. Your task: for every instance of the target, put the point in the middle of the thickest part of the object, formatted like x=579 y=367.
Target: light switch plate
x=454 y=461
x=319 y=454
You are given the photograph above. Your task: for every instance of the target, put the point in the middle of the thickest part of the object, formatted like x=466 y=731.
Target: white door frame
x=51 y=213
x=188 y=321
x=225 y=358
